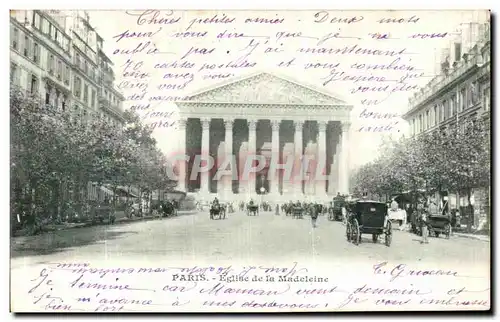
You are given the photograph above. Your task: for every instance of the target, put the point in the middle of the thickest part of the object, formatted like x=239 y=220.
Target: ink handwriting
x=375 y=66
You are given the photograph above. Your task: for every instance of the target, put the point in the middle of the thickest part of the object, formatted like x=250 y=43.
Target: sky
x=355 y=78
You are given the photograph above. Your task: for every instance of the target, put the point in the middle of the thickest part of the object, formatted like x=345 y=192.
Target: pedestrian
x=314 y=216
x=277 y=210
x=425 y=231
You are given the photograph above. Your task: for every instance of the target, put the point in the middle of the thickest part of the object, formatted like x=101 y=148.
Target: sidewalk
x=484 y=238
x=118 y=220
x=476 y=236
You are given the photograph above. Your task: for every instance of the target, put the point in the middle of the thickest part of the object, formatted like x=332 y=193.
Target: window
x=34 y=84
x=63 y=105
x=462 y=100
x=458 y=51
x=486 y=98
x=66 y=76
x=47 y=95
x=36 y=20
x=52 y=31
x=27 y=48
x=428 y=116
x=453 y=105
x=77 y=59
x=92 y=101
x=51 y=64
x=78 y=87
x=59 y=70
x=444 y=113
x=15 y=39
x=36 y=53
x=85 y=67
x=420 y=123
x=45 y=26
x=86 y=93
x=473 y=118
x=473 y=93
x=434 y=121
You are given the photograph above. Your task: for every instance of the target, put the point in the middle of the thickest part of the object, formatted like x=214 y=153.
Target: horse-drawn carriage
x=439 y=224
x=252 y=209
x=335 y=210
x=368 y=217
x=217 y=211
x=103 y=212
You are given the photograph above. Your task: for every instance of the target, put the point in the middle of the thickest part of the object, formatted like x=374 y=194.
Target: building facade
x=271 y=116
x=460 y=93
x=58 y=55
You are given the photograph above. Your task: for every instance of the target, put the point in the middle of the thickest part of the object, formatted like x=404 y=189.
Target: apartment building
x=59 y=55
x=460 y=92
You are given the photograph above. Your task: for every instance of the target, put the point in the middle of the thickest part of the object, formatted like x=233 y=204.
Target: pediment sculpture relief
x=267 y=89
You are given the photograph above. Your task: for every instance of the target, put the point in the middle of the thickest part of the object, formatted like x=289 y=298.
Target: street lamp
x=262 y=191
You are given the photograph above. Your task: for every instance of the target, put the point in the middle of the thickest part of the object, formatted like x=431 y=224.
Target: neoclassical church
x=272 y=116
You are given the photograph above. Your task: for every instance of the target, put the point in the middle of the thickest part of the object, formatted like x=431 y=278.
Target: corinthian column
x=297 y=172
x=228 y=179
x=205 y=152
x=182 y=152
x=321 y=155
x=252 y=142
x=275 y=155
x=344 y=159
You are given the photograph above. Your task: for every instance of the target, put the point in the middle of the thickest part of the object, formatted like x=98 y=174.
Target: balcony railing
x=104 y=102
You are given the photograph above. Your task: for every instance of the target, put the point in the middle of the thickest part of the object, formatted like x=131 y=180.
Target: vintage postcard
x=250 y=161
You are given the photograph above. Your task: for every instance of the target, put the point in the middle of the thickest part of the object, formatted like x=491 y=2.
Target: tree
x=55 y=154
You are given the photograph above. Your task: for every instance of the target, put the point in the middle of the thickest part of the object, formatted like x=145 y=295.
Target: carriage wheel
x=447 y=231
x=388 y=234
x=355 y=235
x=348 y=232
x=374 y=238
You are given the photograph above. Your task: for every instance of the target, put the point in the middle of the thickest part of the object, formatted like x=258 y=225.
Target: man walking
x=423 y=223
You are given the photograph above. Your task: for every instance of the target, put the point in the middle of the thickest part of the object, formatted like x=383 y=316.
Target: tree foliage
x=55 y=154
x=457 y=159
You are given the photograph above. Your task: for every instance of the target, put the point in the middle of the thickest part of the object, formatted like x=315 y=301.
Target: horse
x=168 y=209
x=297 y=211
x=217 y=210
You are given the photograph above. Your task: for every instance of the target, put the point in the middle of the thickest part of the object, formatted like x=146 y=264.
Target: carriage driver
x=215 y=202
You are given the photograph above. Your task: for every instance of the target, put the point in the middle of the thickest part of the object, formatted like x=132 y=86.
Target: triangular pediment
x=265 y=88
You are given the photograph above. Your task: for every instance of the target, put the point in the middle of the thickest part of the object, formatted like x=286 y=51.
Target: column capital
x=182 y=122
x=205 y=123
x=275 y=125
x=298 y=125
x=345 y=126
x=252 y=125
x=322 y=125
x=228 y=123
